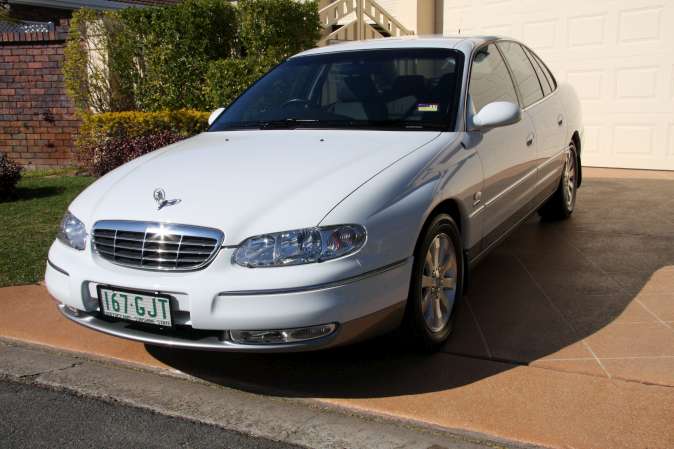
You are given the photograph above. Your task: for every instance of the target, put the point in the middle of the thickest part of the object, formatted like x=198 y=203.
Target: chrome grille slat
x=156 y=246
x=146 y=250
x=116 y=245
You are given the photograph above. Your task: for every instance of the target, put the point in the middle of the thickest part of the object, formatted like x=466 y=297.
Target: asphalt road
x=38 y=418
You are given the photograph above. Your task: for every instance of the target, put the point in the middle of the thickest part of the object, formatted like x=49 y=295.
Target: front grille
x=156 y=246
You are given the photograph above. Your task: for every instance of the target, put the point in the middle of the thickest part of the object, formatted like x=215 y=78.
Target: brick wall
x=37 y=120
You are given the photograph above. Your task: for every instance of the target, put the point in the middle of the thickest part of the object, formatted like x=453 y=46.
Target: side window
x=546 y=71
x=489 y=79
x=545 y=84
x=525 y=76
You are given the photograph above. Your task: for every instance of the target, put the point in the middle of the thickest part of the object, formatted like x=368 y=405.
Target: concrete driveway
x=566 y=336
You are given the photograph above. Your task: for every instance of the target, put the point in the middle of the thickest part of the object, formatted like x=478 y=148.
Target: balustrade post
x=360 y=20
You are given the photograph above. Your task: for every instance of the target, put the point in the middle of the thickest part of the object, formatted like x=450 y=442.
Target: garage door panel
x=541 y=34
x=639 y=83
x=589 y=84
x=616 y=53
x=641 y=24
x=592 y=140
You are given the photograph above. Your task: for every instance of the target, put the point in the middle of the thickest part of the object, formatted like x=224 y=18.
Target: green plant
x=276 y=29
x=83 y=87
x=153 y=59
x=96 y=129
x=172 y=47
x=99 y=68
x=10 y=174
x=228 y=78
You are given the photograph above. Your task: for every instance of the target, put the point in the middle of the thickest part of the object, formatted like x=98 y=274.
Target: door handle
x=530 y=140
x=560 y=120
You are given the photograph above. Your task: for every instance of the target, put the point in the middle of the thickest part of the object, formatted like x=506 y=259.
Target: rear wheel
x=563 y=201
x=437 y=281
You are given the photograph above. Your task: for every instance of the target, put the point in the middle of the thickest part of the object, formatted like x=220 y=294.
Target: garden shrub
x=174 y=46
x=276 y=29
x=151 y=59
x=116 y=151
x=228 y=78
x=10 y=173
x=97 y=129
x=99 y=65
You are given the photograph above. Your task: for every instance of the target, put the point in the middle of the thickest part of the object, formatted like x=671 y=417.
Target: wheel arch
x=451 y=207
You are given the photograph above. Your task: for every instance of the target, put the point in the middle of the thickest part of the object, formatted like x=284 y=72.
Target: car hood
x=247 y=182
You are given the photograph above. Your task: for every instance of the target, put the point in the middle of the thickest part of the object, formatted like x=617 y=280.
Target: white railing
x=345 y=20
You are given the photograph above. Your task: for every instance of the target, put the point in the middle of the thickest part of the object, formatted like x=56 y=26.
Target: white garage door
x=619 y=55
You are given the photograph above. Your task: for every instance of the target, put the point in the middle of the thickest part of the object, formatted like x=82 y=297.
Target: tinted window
x=489 y=79
x=406 y=89
x=523 y=71
x=545 y=84
x=546 y=71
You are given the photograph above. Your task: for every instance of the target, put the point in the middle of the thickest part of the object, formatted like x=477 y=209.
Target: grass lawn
x=28 y=225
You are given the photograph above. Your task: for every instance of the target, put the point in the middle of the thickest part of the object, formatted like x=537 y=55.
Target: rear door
x=549 y=116
x=543 y=106
x=507 y=153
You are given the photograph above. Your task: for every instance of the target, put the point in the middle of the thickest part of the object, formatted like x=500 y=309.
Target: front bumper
x=209 y=303
x=188 y=338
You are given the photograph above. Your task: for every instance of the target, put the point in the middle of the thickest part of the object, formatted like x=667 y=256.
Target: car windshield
x=414 y=89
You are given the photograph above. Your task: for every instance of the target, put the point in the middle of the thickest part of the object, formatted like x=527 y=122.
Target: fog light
x=280 y=336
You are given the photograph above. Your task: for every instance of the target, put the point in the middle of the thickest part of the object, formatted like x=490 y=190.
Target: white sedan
x=346 y=193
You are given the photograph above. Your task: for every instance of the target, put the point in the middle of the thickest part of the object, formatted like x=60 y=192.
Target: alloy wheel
x=438 y=283
x=570 y=179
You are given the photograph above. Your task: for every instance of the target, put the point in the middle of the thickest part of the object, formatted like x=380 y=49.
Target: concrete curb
x=302 y=422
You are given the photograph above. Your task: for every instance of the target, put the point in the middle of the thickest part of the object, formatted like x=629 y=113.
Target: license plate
x=135 y=306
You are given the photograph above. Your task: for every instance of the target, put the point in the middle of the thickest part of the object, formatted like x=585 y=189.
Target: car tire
x=436 y=285
x=562 y=203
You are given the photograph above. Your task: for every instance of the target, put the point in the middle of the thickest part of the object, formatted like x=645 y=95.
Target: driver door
x=508 y=153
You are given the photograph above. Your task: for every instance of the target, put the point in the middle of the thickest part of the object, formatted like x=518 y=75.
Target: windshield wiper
x=294 y=123
x=288 y=123
x=406 y=124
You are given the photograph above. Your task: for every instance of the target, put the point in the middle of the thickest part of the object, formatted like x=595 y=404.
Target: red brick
x=31 y=84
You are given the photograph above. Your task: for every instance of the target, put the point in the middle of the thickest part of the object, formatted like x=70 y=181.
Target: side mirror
x=498 y=113
x=214 y=115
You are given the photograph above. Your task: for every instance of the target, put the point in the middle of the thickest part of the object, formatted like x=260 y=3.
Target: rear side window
x=525 y=76
x=545 y=84
x=546 y=71
x=489 y=79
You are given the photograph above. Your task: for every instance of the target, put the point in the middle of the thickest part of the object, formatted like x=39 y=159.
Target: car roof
x=464 y=44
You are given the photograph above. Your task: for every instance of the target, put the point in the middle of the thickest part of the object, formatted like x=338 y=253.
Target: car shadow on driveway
x=591 y=295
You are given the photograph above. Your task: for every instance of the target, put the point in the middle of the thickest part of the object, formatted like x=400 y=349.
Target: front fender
x=395 y=204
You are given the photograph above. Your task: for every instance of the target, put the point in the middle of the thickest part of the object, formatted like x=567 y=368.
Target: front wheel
x=563 y=201
x=436 y=285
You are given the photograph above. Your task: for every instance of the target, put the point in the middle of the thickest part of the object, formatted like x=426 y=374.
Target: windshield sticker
x=427 y=107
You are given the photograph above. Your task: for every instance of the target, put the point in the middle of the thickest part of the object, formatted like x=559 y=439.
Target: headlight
x=72 y=232
x=300 y=246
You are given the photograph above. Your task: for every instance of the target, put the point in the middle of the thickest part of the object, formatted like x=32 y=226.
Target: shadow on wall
x=543 y=296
